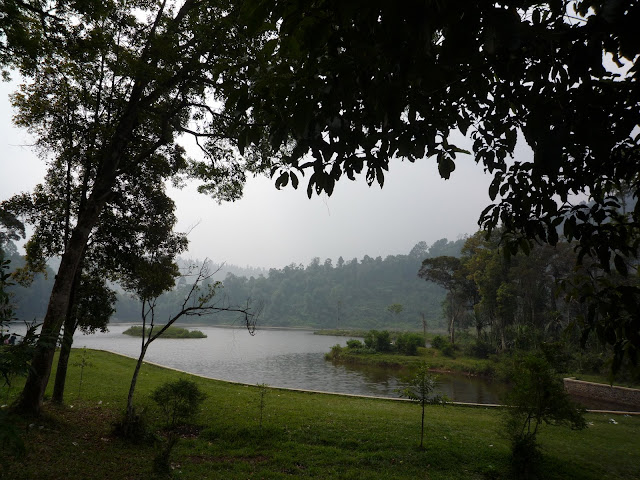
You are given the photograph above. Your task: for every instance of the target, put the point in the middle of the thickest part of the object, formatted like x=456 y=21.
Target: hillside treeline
x=348 y=294
x=355 y=293
x=345 y=294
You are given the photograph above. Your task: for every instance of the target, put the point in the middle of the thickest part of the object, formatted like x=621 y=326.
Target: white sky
x=271 y=228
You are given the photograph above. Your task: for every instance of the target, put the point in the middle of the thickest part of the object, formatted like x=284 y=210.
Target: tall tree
x=445 y=271
x=114 y=86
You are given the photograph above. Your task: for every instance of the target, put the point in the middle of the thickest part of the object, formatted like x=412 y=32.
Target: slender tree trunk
x=63 y=360
x=143 y=350
x=422 y=428
x=134 y=380
x=452 y=335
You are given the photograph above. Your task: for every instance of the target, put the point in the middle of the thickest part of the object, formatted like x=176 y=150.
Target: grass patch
x=304 y=435
x=171 y=332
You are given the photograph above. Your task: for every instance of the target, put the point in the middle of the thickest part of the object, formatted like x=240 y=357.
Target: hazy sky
x=271 y=228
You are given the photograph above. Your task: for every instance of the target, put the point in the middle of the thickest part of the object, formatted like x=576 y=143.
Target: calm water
x=280 y=358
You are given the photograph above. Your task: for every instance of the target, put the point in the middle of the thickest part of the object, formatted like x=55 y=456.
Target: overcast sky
x=271 y=228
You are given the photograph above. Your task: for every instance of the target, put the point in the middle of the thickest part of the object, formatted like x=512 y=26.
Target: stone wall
x=623 y=396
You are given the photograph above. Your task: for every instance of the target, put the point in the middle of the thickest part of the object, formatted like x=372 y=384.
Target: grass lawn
x=304 y=435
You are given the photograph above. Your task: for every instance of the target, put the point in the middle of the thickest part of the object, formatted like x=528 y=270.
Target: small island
x=171 y=332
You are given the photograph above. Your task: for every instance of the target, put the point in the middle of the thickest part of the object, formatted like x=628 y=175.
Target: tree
x=179 y=401
x=114 y=86
x=155 y=275
x=131 y=225
x=536 y=397
x=378 y=341
x=445 y=271
x=395 y=309
x=347 y=86
x=420 y=390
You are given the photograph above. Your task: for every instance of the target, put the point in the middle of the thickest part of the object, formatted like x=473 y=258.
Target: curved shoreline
x=352 y=395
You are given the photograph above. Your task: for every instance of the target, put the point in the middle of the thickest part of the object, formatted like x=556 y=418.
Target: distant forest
x=345 y=294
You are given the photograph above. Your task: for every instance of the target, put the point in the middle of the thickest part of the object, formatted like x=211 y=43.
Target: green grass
x=303 y=436
x=171 y=332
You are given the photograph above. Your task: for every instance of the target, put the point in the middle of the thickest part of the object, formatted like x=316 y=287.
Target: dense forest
x=348 y=294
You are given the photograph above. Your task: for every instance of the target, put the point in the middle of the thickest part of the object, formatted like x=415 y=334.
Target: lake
x=279 y=358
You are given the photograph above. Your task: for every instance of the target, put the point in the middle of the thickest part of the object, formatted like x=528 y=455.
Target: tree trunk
x=452 y=333
x=70 y=325
x=453 y=330
x=134 y=380
x=30 y=400
x=63 y=360
x=422 y=428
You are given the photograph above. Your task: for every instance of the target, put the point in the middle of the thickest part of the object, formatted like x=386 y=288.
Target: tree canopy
x=344 y=87
x=109 y=87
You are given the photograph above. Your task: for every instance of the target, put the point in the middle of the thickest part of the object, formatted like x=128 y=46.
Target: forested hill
x=340 y=293
x=222 y=269
x=353 y=293
x=347 y=294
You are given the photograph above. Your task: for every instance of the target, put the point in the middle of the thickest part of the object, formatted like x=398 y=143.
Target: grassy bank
x=303 y=436
x=434 y=358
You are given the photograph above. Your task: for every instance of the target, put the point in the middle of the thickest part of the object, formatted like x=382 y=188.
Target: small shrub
x=178 y=400
x=354 y=344
x=420 y=390
x=439 y=342
x=479 y=349
x=537 y=396
x=408 y=343
x=83 y=362
x=135 y=429
x=335 y=353
x=449 y=350
x=378 y=341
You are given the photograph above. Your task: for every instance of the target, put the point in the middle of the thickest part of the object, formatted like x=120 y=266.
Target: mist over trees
x=352 y=293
